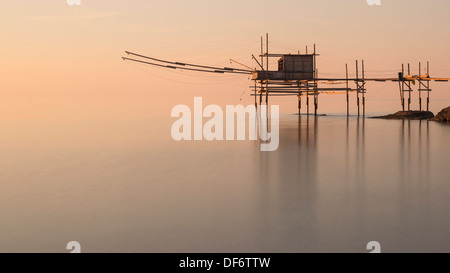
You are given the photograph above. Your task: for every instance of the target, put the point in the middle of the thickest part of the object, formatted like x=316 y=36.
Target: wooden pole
x=315 y=79
x=420 y=87
x=363 y=90
x=409 y=90
x=315 y=83
x=428 y=87
x=307 y=99
x=299 y=99
x=256 y=102
x=357 y=86
x=403 y=87
x=262 y=59
x=267 y=69
x=265 y=75
x=260 y=96
x=346 y=77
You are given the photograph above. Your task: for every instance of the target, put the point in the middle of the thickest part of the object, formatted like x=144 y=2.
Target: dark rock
x=414 y=115
x=443 y=116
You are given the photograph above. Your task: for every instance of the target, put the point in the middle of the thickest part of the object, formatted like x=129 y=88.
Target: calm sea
x=333 y=185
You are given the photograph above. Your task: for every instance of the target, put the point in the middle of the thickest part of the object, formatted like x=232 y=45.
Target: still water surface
x=333 y=185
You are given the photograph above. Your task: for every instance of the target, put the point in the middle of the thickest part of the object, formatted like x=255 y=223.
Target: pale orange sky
x=61 y=61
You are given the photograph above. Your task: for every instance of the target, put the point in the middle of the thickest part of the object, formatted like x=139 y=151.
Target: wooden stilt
x=428 y=87
x=409 y=90
x=363 y=89
x=357 y=87
x=420 y=86
x=346 y=77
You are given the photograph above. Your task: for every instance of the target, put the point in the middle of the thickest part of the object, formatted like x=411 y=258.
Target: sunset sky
x=64 y=62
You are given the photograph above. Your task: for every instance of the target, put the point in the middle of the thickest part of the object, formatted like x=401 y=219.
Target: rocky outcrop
x=443 y=116
x=411 y=115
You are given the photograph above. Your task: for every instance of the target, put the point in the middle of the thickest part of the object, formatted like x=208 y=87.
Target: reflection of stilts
x=299 y=129
x=360 y=149
x=314 y=131
x=414 y=165
x=402 y=152
x=347 y=150
x=316 y=122
x=427 y=178
x=357 y=146
x=295 y=186
x=409 y=150
x=405 y=151
x=419 y=157
x=360 y=180
x=304 y=134
x=307 y=132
